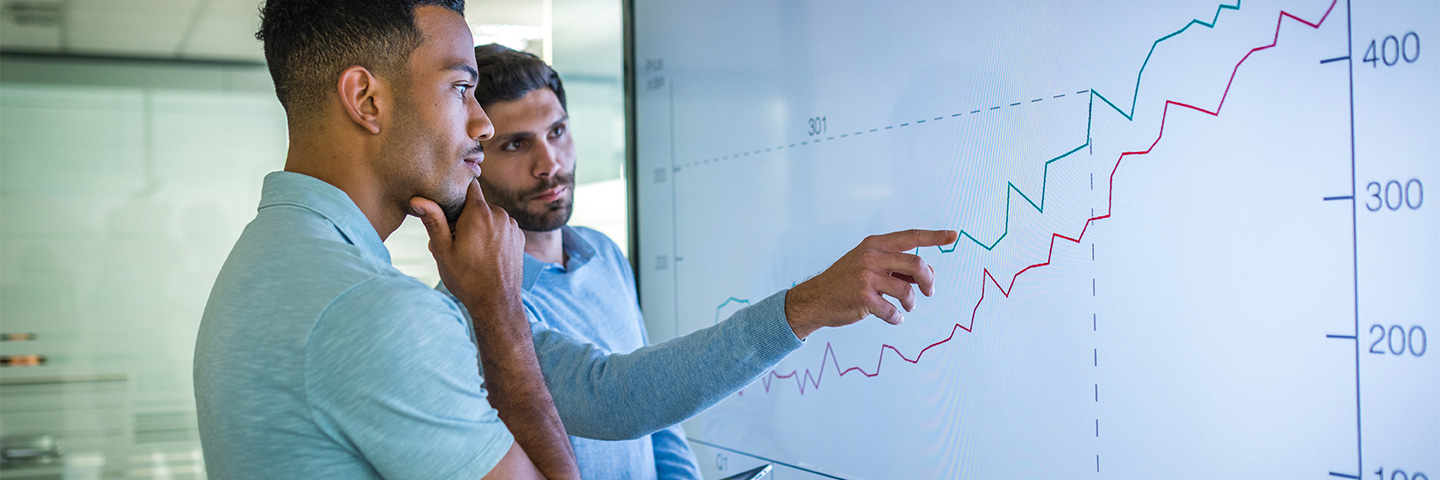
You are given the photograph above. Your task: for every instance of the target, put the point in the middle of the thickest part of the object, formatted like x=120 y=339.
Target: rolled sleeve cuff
x=768 y=330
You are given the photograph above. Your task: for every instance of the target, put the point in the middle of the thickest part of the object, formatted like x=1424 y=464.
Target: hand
x=854 y=287
x=482 y=260
x=482 y=263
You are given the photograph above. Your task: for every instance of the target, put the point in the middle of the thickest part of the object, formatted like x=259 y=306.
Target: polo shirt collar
x=303 y=191
x=579 y=250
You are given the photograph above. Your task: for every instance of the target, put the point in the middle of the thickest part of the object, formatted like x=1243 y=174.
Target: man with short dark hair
x=580 y=291
x=316 y=358
x=586 y=291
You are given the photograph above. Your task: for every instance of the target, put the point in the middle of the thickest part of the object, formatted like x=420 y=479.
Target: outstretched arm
x=623 y=396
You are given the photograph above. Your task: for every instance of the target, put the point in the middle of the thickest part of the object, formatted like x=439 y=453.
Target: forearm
x=518 y=392
x=597 y=393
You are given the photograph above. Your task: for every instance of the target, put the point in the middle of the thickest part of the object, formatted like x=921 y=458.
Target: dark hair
x=309 y=42
x=507 y=75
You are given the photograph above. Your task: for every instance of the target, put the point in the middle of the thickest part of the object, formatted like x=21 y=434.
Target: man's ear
x=362 y=95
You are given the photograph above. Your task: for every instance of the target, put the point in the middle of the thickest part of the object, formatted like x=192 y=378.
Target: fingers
x=910 y=239
x=475 y=201
x=435 y=223
x=474 y=192
x=910 y=268
x=884 y=310
x=896 y=288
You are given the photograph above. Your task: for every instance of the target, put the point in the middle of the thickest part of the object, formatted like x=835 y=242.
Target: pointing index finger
x=911 y=239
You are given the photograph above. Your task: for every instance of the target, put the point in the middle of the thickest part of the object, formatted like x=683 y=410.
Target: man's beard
x=552 y=216
x=452 y=210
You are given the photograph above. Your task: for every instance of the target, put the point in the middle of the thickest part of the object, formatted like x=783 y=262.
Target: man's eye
x=464 y=88
x=560 y=130
x=512 y=146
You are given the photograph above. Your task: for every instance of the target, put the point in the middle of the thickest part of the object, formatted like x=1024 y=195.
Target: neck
x=344 y=169
x=548 y=247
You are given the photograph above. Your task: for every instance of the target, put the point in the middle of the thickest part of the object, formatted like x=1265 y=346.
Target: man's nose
x=547 y=163
x=479 y=126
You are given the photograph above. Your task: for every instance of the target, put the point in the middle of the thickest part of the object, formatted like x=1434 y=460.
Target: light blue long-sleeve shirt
x=623 y=396
x=318 y=359
x=592 y=297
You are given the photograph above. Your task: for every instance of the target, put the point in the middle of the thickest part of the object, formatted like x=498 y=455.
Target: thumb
x=435 y=223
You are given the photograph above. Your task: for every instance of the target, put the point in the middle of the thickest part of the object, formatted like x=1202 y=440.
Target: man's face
x=432 y=146
x=531 y=167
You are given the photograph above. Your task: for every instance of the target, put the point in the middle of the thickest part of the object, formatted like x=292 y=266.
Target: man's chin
x=452 y=210
x=545 y=222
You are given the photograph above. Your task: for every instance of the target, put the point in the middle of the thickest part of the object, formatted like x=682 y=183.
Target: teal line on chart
x=1089 y=121
x=1153 y=46
x=727 y=302
x=1045 y=177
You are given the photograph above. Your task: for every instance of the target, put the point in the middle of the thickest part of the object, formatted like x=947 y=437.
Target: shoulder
x=390 y=308
x=287 y=245
x=390 y=333
x=606 y=250
x=600 y=241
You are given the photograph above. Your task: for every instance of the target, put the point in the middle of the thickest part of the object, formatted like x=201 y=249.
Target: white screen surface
x=1196 y=238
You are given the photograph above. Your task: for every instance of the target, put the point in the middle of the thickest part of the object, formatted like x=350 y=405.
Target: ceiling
x=180 y=29
x=223 y=30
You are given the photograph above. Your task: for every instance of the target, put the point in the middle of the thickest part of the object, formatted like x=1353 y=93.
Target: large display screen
x=1200 y=239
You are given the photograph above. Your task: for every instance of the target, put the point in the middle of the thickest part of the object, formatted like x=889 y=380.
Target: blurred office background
x=134 y=135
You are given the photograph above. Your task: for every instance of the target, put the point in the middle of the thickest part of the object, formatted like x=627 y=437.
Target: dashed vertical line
x=1095 y=353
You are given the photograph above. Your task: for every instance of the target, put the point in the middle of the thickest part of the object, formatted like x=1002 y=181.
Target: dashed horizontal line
x=858 y=133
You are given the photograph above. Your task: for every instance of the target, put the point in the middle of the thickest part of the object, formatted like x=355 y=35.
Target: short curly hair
x=507 y=74
x=309 y=42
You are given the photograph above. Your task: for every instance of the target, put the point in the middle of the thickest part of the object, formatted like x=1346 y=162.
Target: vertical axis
x=1354 y=237
x=675 y=211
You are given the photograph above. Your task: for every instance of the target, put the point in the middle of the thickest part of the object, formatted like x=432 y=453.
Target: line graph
x=812 y=379
x=1010 y=187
